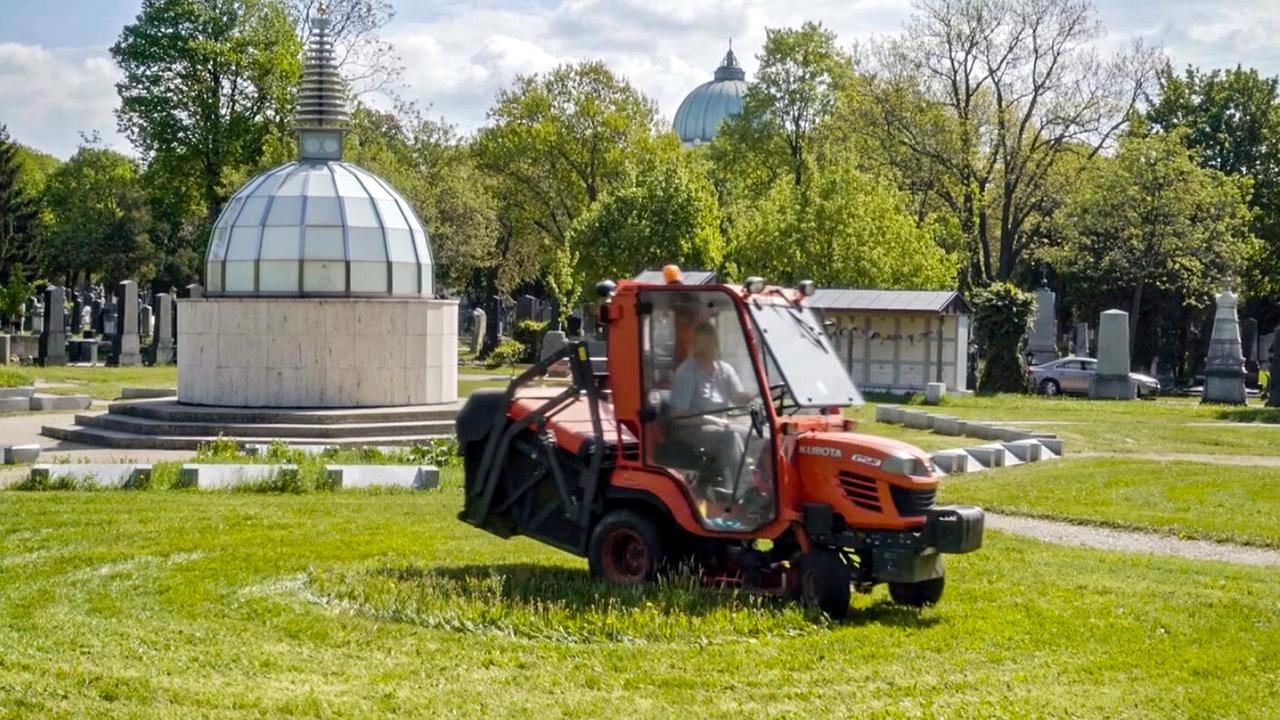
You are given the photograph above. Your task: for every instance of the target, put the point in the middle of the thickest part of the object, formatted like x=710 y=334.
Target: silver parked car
x=1072 y=375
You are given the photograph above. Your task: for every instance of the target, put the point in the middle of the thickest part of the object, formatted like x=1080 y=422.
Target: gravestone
x=37 y=319
x=145 y=317
x=1080 y=342
x=552 y=342
x=53 y=341
x=96 y=313
x=1273 y=385
x=1042 y=345
x=4 y=349
x=195 y=291
x=478 y=329
x=574 y=326
x=1112 y=379
x=1249 y=344
x=28 y=314
x=1224 y=366
x=526 y=307
x=77 y=313
x=125 y=346
x=164 y=329
x=110 y=314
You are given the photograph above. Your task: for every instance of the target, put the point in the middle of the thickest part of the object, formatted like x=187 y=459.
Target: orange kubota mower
x=714 y=424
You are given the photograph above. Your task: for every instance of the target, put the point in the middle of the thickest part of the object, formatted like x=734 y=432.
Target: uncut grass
x=229 y=605
x=1234 y=503
x=1162 y=425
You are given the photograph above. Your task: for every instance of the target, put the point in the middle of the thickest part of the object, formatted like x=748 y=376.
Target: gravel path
x=1064 y=533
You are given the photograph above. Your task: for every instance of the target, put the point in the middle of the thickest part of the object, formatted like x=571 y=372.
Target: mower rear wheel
x=825 y=581
x=917 y=594
x=625 y=549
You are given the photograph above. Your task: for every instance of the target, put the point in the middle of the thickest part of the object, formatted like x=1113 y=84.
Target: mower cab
x=715 y=421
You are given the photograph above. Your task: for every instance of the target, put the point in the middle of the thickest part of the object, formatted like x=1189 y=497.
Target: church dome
x=710 y=104
x=319 y=226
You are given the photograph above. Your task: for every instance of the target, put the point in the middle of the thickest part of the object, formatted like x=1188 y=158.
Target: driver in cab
x=704 y=384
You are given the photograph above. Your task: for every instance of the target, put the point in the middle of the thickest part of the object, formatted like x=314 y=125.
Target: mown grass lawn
x=102 y=383
x=185 y=604
x=1201 y=500
x=1163 y=425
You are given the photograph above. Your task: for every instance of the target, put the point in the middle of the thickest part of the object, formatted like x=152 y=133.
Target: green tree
x=1232 y=117
x=801 y=73
x=99 y=221
x=19 y=212
x=842 y=228
x=207 y=85
x=14 y=294
x=1152 y=219
x=427 y=163
x=555 y=144
x=665 y=213
x=1002 y=315
x=988 y=99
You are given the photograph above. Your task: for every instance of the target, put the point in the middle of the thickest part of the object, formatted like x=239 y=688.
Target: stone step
x=172 y=411
x=148 y=426
x=102 y=437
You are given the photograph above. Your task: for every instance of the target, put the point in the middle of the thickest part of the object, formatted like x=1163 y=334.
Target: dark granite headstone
x=77 y=313
x=96 y=311
x=1273 y=396
x=164 y=329
x=1249 y=344
x=53 y=340
x=126 y=348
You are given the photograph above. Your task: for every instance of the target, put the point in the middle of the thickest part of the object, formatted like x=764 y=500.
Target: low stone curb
x=20 y=454
x=953 y=426
x=216 y=476
x=122 y=476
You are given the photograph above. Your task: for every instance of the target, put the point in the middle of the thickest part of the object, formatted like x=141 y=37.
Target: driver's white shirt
x=697 y=390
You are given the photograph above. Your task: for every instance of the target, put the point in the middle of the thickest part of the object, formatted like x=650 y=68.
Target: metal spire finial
x=320 y=119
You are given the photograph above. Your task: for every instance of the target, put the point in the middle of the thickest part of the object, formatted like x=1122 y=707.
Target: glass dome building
x=699 y=117
x=319 y=226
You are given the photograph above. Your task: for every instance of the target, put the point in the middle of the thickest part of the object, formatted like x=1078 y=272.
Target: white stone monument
x=1224 y=366
x=1112 y=380
x=1042 y=343
x=319 y=287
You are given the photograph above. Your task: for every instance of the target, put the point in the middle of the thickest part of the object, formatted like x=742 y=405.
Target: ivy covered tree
x=19 y=212
x=1002 y=315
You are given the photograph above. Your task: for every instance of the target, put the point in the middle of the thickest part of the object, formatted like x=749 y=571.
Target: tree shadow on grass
x=1251 y=415
x=682 y=593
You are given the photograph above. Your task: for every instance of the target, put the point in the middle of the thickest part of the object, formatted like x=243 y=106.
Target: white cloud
x=48 y=96
x=458 y=55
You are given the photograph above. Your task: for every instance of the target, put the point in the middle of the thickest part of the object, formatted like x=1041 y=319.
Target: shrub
x=222 y=449
x=508 y=352
x=529 y=334
x=1001 y=317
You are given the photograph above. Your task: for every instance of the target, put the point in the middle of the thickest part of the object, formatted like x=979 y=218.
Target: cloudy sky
x=57 y=78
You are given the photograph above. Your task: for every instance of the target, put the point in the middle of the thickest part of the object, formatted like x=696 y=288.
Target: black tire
x=626 y=548
x=918 y=594
x=1050 y=387
x=825 y=581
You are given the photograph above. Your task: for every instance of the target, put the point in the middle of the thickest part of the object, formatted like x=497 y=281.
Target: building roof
x=919 y=301
x=703 y=111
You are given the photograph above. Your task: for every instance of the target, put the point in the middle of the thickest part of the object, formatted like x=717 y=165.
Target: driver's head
x=705 y=344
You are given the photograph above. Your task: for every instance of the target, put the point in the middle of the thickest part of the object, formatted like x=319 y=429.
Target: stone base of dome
x=317 y=353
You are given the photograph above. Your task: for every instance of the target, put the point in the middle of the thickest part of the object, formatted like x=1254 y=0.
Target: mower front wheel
x=917 y=594
x=625 y=549
x=825 y=581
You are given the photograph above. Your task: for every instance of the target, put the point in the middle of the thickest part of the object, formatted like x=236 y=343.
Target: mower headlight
x=905 y=465
x=754 y=284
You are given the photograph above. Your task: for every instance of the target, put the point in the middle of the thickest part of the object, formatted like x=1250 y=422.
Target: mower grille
x=861 y=491
x=912 y=502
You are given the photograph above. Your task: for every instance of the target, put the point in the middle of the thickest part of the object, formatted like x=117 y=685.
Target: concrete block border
x=121 y=476
x=953 y=426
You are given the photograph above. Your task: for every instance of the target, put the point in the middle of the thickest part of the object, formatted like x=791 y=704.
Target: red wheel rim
x=625 y=556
